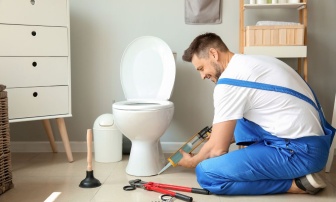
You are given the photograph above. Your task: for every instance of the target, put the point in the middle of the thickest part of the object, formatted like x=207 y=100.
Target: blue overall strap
x=327 y=128
x=269 y=87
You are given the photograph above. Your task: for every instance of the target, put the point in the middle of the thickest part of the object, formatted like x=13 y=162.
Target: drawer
x=37 y=102
x=34 y=12
x=34 y=71
x=18 y=40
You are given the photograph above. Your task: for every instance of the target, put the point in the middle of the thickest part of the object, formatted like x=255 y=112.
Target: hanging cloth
x=203 y=12
x=2 y=87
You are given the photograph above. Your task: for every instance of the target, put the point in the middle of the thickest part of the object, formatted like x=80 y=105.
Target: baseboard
x=171 y=147
x=17 y=146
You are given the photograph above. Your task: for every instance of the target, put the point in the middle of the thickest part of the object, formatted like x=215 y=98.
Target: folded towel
x=203 y=11
x=263 y=23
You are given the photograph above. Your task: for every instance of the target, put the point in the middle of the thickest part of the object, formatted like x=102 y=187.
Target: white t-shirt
x=281 y=114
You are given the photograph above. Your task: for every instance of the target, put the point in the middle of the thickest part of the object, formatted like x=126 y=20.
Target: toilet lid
x=147 y=69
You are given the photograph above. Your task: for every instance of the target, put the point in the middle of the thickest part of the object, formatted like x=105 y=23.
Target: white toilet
x=147 y=73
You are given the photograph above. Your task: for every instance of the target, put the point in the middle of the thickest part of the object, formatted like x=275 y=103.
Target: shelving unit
x=284 y=51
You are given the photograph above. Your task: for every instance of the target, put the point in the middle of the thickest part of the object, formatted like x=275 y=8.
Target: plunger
x=90 y=181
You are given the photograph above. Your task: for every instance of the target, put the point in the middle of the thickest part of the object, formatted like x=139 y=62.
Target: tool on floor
x=90 y=181
x=164 y=189
x=166 y=198
x=188 y=147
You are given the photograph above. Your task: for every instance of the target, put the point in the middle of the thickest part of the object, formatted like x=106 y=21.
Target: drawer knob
x=33 y=33
x=34 y=64
x=35 y=94
x=32 y=2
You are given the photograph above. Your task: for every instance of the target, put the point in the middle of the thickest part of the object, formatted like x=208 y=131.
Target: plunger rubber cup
x=90 y=181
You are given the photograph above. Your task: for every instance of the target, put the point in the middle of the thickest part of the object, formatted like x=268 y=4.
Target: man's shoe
x=311 y=183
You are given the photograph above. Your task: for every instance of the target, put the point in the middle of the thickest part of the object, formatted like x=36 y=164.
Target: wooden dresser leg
x=47 y=127
x=65 y=138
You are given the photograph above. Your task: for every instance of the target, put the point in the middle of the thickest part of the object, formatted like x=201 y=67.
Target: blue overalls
x=269 y=164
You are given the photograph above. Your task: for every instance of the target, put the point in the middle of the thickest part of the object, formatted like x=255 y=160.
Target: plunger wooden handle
x=89 y=149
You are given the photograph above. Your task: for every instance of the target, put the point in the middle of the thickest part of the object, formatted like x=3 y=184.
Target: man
x=261 y=102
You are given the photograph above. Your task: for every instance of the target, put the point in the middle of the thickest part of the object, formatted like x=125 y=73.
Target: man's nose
x=202 y=75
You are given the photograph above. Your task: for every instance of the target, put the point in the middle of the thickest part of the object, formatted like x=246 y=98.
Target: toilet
x=147 y=74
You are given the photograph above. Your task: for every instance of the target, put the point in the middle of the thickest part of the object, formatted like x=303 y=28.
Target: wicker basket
x=5 y=156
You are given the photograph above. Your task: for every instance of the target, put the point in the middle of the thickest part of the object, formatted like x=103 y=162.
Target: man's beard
x=218 y=70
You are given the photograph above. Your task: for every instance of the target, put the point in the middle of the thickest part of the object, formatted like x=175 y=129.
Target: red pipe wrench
x=164 y=189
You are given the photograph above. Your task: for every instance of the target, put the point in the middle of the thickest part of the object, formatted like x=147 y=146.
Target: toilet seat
x=142 y=105
x=147 y=70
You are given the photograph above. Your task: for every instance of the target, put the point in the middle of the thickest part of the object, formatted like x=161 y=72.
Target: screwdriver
x=188 y=147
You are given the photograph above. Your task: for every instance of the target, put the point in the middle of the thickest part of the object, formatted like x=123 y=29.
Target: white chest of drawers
x=35 y=61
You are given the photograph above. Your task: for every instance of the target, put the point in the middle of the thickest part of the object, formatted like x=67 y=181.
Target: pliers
x=163 y=188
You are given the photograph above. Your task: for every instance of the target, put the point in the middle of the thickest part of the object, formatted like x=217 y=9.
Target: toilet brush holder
x=90 y=181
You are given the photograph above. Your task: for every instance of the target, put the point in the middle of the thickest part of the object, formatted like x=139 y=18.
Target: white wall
x=100 y=33
x=101 y=30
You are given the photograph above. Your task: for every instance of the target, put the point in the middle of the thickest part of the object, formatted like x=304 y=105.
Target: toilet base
x=146 y=158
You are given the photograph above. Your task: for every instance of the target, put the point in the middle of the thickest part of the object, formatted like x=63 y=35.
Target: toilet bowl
x=147 y=73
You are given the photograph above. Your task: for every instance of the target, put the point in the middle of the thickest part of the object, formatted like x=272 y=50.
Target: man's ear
x=213 y=53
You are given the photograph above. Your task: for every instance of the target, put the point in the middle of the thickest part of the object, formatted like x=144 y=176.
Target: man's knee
x=208 y=180
x=200 y=173
x=202 y=177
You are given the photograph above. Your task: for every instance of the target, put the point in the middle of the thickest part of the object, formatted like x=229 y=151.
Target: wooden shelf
x=299 y=52
x=277 y=51
x=297 y=6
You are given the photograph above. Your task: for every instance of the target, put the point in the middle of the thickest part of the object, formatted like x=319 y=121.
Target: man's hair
x=201 y=44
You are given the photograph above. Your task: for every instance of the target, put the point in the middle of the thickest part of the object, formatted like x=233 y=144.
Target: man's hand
x=218 y=144
x=186 y=160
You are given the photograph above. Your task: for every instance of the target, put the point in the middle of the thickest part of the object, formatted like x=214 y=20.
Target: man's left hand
x=186 y=160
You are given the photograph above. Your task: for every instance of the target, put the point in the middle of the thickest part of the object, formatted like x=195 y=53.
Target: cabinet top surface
x=297 y=6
